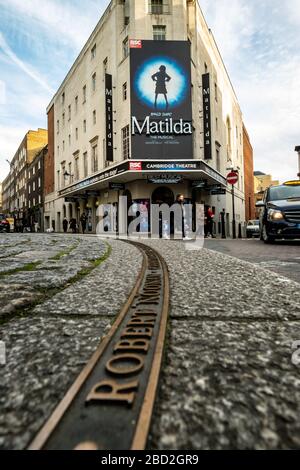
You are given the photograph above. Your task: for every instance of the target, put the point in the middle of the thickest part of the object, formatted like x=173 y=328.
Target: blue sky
x=259 y=41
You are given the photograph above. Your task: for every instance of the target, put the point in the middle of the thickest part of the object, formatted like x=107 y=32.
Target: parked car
x=252 y=229
x=280 y=215
x=4 y=224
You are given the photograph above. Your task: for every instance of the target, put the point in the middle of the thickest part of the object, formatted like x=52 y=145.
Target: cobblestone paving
x=228 y=381
x=56 y=304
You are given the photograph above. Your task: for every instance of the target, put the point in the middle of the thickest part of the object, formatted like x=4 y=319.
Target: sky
x=259 y=41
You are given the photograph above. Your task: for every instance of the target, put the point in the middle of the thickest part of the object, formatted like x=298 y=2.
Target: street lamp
x=297 y=149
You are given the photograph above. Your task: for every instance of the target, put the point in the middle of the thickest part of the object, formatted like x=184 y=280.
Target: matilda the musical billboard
x=161 y=110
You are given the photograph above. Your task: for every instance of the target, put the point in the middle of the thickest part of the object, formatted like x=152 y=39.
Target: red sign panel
x=232 y=177
x=135 y=166
x=135 y=44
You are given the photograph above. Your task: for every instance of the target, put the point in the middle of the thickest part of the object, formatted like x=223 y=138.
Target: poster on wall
x=161 y=108
x=206 y=116
x=109 y=118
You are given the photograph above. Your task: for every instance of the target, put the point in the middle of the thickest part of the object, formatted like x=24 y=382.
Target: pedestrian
x=83 y=220
x=73 y=225
x=209 y=222
x=179 y=224
x=65 y=225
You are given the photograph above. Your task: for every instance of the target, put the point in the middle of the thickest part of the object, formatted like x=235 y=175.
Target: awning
x=132 y=170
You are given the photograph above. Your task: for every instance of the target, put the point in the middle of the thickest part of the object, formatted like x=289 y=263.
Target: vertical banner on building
x=109 y=118
x=206 y=116
x=161 y=108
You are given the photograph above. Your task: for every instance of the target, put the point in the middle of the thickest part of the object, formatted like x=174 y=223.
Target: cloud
x=71 y=21
x=260 y=47
x=23 y=66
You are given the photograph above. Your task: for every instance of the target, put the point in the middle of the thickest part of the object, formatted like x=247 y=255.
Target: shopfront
x=144 y=183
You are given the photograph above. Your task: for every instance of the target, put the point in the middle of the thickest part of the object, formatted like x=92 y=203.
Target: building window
x=94 y=82
x=94 y=117
x=63 y=119
x=218 y=160
x=63 y=98
x=205 y=67
x=125 y=48
x=124 y=91
x=84 y=126
x=70 y=173
x=95 y=158
x=216 y=92
x=63 y=145
x=228 y=131
x=58 y=150
x=159 y=7
x=40 y=199
x=29 y=188
x=69 y=112
x=63 y=170
x=39 y=182
x=39 y=165
x=57 y=126
x=33 y=170
x=76 y=133
x=105 y=62
x=125 y=142
x=85 y=164
x=93 y=51
x=58 y=180
x=217 y=124
x=76 y=169
x=33 y=186
x=69 y=139
x=76 y=104
x=159 y=33
x=84 y=94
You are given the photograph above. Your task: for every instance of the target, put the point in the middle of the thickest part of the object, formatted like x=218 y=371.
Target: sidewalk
x=228 y=380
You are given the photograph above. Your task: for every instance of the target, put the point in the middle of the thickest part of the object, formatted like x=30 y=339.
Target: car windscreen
x=278 y=193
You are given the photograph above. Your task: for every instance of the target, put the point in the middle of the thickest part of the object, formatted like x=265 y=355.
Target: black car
x=280 y=215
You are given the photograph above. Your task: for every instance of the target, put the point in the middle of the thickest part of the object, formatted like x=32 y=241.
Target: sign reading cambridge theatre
x=161 y=109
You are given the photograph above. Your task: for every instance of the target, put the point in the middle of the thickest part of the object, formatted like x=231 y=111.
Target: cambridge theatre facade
x=147 y=111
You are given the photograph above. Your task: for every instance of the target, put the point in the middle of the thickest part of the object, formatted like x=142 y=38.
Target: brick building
x=15 y=184
x=35 y=191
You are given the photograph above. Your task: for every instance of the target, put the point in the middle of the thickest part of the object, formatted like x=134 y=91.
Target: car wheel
x=265 y=237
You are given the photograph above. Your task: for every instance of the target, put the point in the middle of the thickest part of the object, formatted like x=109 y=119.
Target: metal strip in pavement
x=110 y=404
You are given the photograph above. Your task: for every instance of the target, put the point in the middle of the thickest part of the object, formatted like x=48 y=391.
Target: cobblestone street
x=227 y=379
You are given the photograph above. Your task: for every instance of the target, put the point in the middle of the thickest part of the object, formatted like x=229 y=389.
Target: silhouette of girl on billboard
x=161 y=78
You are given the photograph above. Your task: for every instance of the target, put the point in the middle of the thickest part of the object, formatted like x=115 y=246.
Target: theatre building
x=146 y=111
